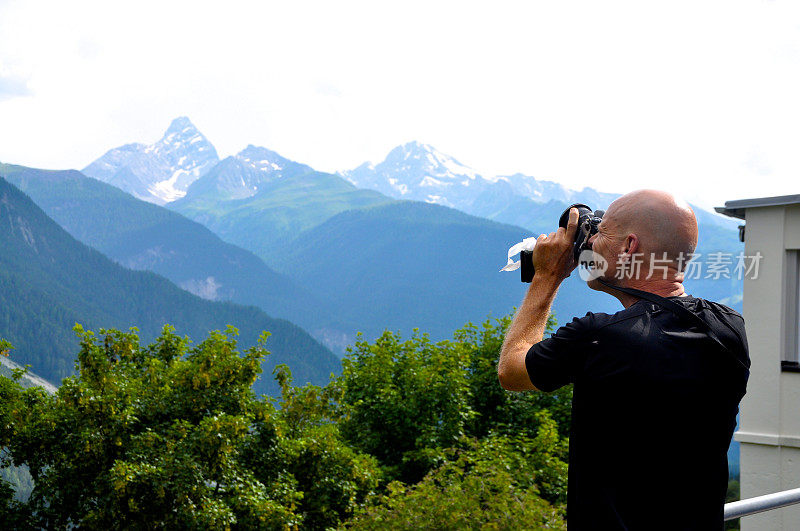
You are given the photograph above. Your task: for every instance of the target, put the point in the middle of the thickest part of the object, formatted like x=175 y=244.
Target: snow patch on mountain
x=263 y=164
x=244 y=175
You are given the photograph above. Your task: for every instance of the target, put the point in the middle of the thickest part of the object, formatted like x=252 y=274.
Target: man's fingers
x=572 y=224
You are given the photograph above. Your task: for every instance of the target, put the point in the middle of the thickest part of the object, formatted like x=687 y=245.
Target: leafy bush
x=487 y=486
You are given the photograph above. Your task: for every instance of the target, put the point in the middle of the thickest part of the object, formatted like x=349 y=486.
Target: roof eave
x=737 y=208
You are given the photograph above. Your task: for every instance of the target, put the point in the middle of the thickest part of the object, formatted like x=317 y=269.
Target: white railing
x=760 y=504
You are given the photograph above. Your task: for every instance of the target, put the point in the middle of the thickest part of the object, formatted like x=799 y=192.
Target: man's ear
x=631 y=245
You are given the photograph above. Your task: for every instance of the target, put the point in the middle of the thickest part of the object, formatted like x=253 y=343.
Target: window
x=791 y=313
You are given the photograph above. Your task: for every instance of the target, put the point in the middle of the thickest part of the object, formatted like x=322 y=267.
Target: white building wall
x=769 y=429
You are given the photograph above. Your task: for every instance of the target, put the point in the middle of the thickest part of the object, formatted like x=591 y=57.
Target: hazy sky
x=698 y=97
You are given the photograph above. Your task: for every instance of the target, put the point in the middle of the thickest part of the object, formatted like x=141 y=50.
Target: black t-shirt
x=653 y=411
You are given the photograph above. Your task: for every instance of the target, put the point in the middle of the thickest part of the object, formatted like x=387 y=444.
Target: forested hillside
x=410 y=264
x=141 y=235
x=49 y=282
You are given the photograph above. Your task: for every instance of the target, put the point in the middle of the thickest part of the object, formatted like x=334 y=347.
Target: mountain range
x=225 y=195
x=419 y=172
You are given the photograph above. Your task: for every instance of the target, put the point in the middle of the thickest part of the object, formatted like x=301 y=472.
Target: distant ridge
x=260 y=200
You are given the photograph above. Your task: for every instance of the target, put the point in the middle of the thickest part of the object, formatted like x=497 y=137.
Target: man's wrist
x=546 y=280
x=541 y=293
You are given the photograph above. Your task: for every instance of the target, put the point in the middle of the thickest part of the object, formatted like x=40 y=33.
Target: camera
x=588 y=221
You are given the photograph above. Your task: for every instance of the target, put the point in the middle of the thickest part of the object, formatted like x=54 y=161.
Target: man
x=656 y=390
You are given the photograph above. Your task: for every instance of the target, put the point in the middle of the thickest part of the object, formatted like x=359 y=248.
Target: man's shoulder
x=598 y=320
x=701 y=307
x=724 y=320
x=722 y=309
x=706 y=309
x=700 y=302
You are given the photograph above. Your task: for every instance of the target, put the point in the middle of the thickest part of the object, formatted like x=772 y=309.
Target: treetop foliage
x=171 y=434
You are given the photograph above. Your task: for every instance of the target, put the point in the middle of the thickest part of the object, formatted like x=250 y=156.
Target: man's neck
x=660 y=287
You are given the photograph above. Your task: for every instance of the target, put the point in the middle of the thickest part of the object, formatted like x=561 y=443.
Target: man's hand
x=553 y=254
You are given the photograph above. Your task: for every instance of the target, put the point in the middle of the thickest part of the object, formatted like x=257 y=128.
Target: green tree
x=487 y=485
x=15 y=482
x=300 y=442
x=732 y=494
x=497 y=410
x=170 y=435
x=146 y=436
x=406 y=402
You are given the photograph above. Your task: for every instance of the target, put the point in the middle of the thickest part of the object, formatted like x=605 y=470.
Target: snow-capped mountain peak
x=414 y=171
x=262 y=159
x=160 y=172
x=420 y=172
x=181 y=124
x=245 y=174
x=432 y=161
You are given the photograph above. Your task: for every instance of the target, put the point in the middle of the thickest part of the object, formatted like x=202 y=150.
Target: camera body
x=588 y=221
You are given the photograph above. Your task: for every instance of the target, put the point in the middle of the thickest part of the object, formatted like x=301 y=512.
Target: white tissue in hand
x=525 y=245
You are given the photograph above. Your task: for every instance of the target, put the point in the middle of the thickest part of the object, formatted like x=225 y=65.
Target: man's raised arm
x=553 y=261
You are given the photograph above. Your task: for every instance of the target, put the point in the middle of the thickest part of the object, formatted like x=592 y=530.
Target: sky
x=700 y=98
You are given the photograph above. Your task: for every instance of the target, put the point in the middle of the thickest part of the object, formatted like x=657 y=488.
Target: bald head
x=662 y=222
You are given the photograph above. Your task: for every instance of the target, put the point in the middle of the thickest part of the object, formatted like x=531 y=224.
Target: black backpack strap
x=677 y=309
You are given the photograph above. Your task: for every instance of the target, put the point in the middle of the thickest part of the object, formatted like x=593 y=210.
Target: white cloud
x=758 y=163
x=615 y=95
x=13 y=87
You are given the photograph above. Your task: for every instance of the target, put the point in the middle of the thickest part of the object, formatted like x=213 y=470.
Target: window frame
x=790 y=355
